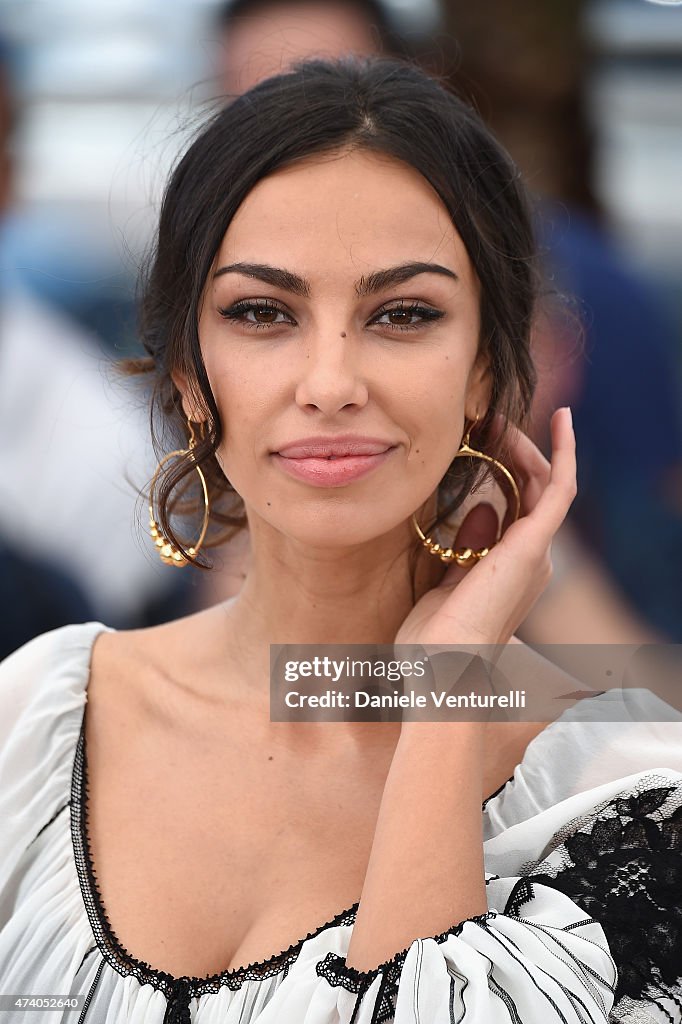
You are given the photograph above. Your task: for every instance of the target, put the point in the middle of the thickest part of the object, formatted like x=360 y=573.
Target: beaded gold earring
x=469 y=556
x=168 y=552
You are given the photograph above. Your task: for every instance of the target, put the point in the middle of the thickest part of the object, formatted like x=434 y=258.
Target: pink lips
x=332 y=462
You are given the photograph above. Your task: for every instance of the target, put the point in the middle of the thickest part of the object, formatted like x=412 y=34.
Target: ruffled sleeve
x=590 y=933
x=549 y=964
x=42 y=695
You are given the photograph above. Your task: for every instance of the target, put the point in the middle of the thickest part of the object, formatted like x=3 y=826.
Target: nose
x=330 y=377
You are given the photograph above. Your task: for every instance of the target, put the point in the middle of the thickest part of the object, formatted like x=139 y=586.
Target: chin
x=338 y=529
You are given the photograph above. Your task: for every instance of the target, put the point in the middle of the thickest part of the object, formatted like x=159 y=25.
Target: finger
x=529 y=468
x=556 y=499
x=529 y=465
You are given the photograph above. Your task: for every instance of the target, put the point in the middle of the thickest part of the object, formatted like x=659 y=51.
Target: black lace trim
x=333 y=966
x=334 y=969
x=623 y=867
x=177 y=990
x=520 y=894
x=91 y=993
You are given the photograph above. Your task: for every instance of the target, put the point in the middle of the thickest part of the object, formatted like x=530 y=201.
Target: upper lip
x=323 y=447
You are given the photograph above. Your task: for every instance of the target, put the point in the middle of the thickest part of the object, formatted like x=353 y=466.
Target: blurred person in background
x=56 y=246
x=618 y=363
x=259 y=38
x=35 y=595
x=69 y=548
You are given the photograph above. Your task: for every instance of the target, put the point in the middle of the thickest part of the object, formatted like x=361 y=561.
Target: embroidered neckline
x=111 y=947
x=109 y=944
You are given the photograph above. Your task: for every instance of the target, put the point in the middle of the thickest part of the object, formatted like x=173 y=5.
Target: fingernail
x=570 y=414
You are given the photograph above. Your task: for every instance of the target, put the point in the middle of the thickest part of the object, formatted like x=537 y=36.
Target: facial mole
x=343 y=334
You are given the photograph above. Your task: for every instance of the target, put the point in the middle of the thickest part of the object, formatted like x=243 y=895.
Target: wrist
x=455 y=737
x=452 y=751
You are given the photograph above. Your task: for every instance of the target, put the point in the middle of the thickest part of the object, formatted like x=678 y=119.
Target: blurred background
x=97 y=102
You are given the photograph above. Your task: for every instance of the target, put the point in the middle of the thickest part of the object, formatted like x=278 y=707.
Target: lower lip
x=331 y=472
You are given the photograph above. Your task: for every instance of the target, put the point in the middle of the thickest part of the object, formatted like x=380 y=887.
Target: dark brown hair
x=382 y=105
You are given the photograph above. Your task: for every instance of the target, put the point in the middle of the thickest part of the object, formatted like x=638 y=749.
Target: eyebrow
x=270 y=275
x=368 y=285
x=381 y=279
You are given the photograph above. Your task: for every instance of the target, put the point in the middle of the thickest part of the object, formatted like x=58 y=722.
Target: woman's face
x=342 y=303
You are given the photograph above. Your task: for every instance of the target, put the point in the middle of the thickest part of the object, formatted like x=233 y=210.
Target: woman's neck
x=296 y=594
x=353 y=596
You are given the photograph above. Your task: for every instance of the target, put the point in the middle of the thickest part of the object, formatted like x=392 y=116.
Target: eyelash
x=237 y=312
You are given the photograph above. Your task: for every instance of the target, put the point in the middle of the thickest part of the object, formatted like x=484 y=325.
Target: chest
x=216 y=850
x=213 y=845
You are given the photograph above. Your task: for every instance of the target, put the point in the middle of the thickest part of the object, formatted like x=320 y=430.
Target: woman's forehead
x=352 y=208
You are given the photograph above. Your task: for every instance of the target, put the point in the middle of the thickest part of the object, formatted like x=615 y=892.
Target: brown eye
x=255 y=315
x=265 y=314
x=399 y=317
x=407 y=318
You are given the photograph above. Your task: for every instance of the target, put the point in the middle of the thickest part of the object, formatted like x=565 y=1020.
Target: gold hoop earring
x=168 y=552
x=469 y=556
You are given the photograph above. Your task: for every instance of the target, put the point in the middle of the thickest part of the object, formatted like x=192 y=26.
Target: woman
x=341 y=295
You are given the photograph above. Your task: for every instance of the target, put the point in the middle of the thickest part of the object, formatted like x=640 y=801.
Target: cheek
x=233 y=390
x=246 y=415
x=437 y=393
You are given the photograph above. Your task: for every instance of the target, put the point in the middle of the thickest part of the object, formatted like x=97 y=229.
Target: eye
x=256 y=313
x=406 y=316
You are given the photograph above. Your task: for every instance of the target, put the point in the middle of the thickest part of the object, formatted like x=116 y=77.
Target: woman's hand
x=485 y=604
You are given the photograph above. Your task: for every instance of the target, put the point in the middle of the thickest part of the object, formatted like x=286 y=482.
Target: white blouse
x=583 y=857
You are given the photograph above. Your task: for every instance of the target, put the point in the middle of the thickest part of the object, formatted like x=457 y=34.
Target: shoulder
x=596 y=744
x=47 y=652
x=42 y=695
x=42 y=692
x=150 y=673
x=42 y=666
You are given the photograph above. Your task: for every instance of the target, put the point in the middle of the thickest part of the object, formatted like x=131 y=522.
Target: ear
x=479 y=388
x=189 y=406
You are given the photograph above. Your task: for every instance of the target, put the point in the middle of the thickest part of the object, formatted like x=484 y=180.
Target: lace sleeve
x=588 y=933
x=623 y=866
